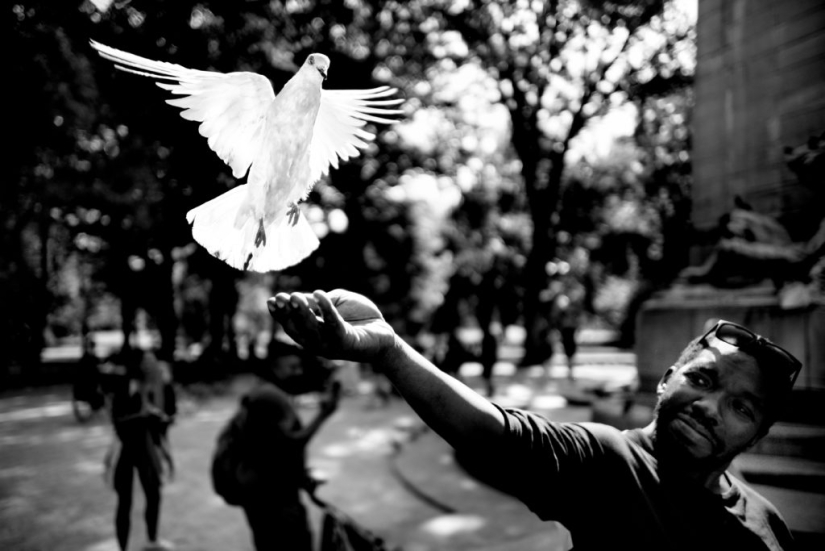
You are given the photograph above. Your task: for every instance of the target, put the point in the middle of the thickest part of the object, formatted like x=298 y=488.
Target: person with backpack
x=140 y=420
x=260 y=459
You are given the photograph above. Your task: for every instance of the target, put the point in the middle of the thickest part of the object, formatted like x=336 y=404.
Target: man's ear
x=660 y=388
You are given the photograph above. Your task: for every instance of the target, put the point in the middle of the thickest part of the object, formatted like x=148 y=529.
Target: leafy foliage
x=102 y=172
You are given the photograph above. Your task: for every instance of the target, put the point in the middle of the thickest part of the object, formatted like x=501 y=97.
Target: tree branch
x=579 y=119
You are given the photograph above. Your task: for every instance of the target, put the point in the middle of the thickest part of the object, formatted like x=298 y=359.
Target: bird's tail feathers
x=287 y=244
x=236 y=238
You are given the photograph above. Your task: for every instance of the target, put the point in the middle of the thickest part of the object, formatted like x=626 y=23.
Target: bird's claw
x=260 y=237
x=293 y=213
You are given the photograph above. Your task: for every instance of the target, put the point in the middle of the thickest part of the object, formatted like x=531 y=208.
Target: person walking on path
x=567 y=313
x=664 y=486
x=140 y=424
x=272 y=448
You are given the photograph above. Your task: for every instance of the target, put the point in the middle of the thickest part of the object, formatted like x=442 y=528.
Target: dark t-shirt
x=605 y=487
x=276 y=458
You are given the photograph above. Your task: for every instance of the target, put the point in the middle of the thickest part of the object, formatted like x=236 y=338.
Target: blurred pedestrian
x=272 y=444
x=449 y=352
x=164 y=397
x=664 y=486
x=567 y=314
x=140 y=421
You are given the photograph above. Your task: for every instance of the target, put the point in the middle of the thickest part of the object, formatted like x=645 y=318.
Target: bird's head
x=320 y=62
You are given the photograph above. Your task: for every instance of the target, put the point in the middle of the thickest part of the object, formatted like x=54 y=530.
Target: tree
x=94 y=140
x=90 y=139
x=558 y=65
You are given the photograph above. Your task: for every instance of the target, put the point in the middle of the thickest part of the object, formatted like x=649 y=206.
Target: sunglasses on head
x=748 y=341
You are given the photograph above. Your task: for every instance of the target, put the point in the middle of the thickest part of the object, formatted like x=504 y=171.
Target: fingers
x=312 y=320
x=293 y=312
x=277 y=303
x=328 y=310
x=302 y=315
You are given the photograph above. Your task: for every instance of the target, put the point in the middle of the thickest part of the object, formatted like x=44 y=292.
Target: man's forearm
x=456 y=412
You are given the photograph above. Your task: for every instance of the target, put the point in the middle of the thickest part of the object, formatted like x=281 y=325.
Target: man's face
x=712 y=408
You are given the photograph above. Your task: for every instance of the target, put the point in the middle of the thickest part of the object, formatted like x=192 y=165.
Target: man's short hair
x=689 y=353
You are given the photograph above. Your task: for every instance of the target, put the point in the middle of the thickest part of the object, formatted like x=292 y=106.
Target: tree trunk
x=223 y=301
x=165 y=315
x=543 y=193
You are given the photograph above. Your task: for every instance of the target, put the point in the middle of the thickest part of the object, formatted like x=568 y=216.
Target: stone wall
x=671 y=319
x=760 y=86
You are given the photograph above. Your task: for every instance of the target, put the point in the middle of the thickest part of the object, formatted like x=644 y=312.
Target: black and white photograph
x=413 y=275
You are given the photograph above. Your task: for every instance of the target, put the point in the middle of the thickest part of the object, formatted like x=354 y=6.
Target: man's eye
x=742 y=409
x=698 y=380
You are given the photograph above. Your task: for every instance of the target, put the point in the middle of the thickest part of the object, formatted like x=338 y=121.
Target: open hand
x=339 y=325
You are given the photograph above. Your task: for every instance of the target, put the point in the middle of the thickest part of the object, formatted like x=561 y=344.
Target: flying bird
x=284 y=142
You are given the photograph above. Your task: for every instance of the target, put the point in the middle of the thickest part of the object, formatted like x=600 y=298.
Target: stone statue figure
x=754 y=247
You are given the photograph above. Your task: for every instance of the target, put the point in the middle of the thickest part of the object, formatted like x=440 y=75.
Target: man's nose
x=708 y=408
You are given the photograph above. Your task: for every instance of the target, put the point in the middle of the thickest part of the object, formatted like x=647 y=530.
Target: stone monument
x=759 y=189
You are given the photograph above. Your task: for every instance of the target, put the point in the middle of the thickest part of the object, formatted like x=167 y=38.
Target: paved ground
x=385 y=469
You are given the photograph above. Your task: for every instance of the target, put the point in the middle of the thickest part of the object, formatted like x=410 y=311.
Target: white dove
x=286 y=143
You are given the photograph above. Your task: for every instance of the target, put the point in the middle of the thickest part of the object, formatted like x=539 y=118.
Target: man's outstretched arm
x=344 y=325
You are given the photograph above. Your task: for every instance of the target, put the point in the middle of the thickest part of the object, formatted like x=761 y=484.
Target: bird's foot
x=260 y=237
x=293 y=213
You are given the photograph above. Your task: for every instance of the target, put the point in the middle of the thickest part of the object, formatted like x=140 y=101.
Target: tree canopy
x=497 y=93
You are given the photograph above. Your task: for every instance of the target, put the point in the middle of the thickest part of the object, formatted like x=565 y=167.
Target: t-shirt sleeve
x=551 y=467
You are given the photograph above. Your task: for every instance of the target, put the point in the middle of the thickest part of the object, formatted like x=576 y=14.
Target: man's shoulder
x=629 y=441
x=748 y=495
x=759 y=514
x=596 y=436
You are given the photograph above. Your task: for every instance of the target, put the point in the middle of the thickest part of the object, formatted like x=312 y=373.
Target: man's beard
x=672 y=452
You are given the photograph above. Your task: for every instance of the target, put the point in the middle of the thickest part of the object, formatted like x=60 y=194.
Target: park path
x=53 y=497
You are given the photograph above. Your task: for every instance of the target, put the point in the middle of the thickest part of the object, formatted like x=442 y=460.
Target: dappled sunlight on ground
x=50 y=410
x=361 y=440
x=446 y=526
x=105 y=545
x=549 y=402
x=54 y=496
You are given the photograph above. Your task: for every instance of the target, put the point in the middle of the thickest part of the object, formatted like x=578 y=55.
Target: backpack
x=230 y=478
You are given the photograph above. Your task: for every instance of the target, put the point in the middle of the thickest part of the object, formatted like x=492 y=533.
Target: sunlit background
x=540 y=142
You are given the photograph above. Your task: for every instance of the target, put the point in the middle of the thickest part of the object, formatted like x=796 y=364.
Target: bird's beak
x=323 y=73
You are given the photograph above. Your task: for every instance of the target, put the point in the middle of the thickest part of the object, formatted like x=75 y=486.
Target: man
x=273 y=444
x=665 y=486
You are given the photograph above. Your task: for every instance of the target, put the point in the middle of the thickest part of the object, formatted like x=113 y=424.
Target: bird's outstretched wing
x=339 y=128
x=230 y=106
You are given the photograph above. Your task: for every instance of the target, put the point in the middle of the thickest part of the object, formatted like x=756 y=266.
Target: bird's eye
x=311 y=60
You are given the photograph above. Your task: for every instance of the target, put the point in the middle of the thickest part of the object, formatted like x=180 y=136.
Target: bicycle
x=87 y=394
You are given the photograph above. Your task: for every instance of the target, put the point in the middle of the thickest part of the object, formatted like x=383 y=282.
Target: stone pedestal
x=669 y=320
